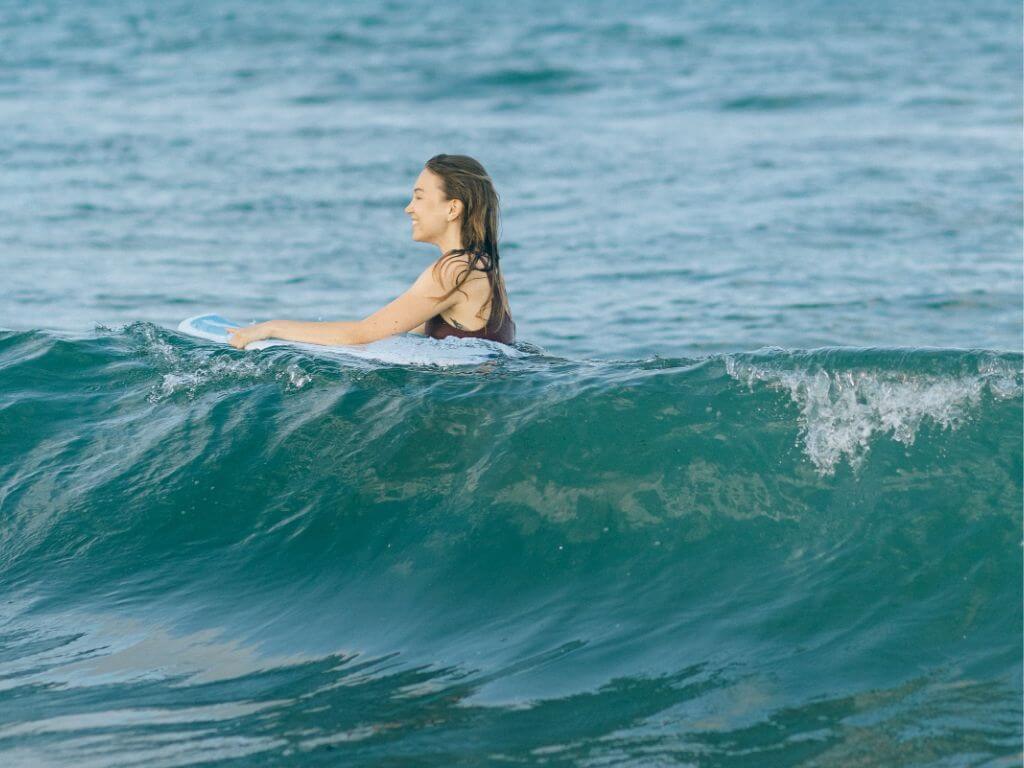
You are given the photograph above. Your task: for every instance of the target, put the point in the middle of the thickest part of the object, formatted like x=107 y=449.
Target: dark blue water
x=749 y=496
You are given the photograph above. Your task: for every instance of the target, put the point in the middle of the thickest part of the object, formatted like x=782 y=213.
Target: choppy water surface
x=748 y=494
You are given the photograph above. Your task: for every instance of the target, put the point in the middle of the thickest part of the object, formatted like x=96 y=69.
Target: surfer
x=455 y=207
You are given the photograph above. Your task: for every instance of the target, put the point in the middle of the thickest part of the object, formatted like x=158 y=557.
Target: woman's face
x=429 y=211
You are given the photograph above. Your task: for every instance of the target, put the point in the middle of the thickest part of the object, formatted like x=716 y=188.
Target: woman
x=454 y=206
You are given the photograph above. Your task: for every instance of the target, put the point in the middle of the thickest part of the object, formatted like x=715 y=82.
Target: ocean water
x=747 y=492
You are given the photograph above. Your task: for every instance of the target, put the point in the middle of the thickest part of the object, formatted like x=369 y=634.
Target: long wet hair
x=463 y=178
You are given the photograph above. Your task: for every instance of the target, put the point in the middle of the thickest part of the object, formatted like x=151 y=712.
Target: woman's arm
x=409 y=312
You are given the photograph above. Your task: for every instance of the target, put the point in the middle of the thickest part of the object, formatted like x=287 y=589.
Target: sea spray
x=842 y=410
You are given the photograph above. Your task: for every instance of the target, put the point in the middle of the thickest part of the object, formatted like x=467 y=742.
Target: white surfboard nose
x=210 y=326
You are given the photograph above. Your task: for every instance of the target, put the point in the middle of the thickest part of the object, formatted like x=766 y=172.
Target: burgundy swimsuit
x=438 y=328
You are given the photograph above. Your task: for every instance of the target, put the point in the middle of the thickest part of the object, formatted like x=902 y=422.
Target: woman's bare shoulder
x=453 y=266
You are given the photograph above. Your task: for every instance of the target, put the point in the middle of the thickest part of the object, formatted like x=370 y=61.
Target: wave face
x=269 y=558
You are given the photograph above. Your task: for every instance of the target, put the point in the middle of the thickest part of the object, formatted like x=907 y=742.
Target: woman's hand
x=239 y=337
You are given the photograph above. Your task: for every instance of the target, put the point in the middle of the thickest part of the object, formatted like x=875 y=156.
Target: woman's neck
x=450 y=241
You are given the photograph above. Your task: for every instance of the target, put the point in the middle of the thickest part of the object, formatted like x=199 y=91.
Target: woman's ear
x=454 y=209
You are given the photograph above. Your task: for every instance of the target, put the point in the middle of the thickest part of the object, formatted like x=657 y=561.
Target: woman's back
x=463 y=319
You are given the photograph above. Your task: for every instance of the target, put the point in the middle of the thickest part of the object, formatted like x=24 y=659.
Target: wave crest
x=841 y=410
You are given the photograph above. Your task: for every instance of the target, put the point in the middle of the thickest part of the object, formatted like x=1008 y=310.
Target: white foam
x=193 y=374
x=190 y=370
x=841 y=411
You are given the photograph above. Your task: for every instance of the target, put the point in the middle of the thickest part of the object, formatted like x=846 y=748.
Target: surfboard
x=401 y=349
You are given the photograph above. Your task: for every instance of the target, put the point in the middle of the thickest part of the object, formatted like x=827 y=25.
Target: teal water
x=750 y=493
x=273 y=559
